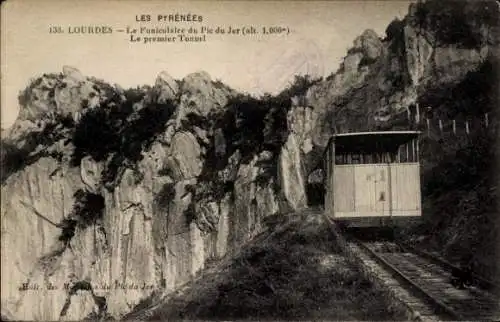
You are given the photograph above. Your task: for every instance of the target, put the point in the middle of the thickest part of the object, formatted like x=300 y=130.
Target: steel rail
x=402 y=277
x=481 y=281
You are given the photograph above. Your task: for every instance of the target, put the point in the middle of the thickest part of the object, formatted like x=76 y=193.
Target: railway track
x=428 y=282
x=481 y=282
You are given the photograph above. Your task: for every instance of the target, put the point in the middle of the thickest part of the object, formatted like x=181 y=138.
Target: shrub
x=165 y=171
x=165 y=196
x=190 y=214
x=455 y=22
x=140 y=133
x=88 y=208
x=68 y=227
x=478 y=89
x=193 y=119
x=14 y=159
x=97 y=135
x=394 y=30
x=366 y=61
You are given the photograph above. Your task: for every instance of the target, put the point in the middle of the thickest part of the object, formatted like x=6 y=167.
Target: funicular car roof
x=369 y=142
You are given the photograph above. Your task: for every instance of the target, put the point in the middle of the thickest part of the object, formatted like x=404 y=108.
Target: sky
x=317 y=37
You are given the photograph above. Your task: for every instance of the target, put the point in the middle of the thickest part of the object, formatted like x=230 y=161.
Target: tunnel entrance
x=315 y=188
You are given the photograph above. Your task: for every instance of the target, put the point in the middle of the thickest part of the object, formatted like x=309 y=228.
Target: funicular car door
x=371 y=193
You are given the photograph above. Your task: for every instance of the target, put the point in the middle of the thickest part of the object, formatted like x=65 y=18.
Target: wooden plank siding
x=343 y=188
x=405 y=180
x=363 y=190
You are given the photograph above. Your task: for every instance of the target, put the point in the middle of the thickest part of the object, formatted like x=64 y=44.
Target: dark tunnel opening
x=315 y=188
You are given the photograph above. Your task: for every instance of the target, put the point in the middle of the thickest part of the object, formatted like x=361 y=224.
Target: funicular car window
x=367 y=158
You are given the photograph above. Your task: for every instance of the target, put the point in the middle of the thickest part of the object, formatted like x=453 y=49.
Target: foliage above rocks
x=119 y=132
x=459 y=23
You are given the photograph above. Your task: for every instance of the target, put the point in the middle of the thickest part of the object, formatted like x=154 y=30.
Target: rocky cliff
x=109 y=195
x=380 y=78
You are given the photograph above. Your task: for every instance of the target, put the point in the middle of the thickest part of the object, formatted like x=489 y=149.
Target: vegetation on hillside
x=459 y=199
x=458 y=172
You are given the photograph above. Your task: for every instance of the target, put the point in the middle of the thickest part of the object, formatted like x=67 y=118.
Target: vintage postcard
x=241 y=160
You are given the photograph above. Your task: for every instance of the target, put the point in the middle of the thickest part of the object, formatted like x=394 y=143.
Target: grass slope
x=291 y=271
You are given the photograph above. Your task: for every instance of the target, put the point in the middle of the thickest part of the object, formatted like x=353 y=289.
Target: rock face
x=185 y=156
x=200 y=96
x=67 y=260
x=38 y=259
x=165 y=87
x=293 y=165
x=292 y=174
x=369 y=44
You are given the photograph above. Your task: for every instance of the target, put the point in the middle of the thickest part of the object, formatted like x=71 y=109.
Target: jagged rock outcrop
x=165 y=87
x=54 y=99
x=369 y=44
x=185 y=156
x=200 y=95
x=293 y=161
x=292 y=174
x=61 y=94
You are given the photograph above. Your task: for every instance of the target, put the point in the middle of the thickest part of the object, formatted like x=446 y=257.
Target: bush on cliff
x=12 y=159
x=15 y=158
x=87 y=209
x=165 y=196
